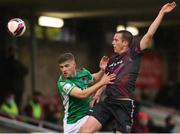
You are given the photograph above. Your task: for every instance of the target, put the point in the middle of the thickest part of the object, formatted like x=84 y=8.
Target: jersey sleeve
x=66 y=86
x=135 y=49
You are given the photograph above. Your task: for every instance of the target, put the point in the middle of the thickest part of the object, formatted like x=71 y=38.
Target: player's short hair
x=127 y=36
x=65 y=57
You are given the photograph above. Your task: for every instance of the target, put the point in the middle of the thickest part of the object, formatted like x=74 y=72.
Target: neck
x=125 y=49
x=74 y=73
x=70 y=76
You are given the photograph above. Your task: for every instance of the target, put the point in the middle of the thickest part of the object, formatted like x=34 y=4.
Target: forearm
x=168 y=7
x=153 y=27
x=97 y=76
x=100 y=91
x=91 y=90
x=151 y=31
x=79 y=93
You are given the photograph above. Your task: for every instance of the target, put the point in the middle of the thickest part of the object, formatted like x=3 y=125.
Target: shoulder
x=85 y=74
x=66 y=86
x=135 y=42
x=83 y=71
x=135 y=49
x=64 y=82
x=61 y=82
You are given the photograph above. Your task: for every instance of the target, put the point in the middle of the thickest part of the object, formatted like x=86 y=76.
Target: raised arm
x=153 y=27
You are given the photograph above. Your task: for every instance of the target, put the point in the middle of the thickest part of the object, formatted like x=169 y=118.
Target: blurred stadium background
x=29 y=64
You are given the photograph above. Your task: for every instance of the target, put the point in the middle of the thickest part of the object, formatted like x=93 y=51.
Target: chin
x=66 y=76
x=116 y=52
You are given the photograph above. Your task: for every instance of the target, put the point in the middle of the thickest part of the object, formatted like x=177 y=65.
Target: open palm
x=103 y=62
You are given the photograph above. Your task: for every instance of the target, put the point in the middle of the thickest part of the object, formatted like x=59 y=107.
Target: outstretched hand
x=103 y=62
x=96 y=99
x=168 y=7
x=108 y=79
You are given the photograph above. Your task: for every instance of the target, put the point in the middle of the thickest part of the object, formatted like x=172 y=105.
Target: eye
x=67 y=65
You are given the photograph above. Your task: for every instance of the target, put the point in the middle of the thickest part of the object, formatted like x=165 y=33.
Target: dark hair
x=65 y=57
x=127 y=36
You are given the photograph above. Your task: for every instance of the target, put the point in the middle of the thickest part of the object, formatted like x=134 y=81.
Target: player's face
x=68 y=68
x=118 y=43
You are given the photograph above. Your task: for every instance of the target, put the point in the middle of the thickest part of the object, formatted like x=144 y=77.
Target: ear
x=75 y=64
x=125 y=43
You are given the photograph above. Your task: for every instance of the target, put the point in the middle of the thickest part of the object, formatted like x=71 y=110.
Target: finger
x=111 y=82
x=107 y=73
x=173 y=4
x=104 y=59
x=113 y=78
x=112 y=75
x=97 y=100
x=104 y=56
x=91 y=103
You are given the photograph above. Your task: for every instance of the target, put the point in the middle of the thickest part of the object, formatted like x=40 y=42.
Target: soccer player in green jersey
x=75 y=88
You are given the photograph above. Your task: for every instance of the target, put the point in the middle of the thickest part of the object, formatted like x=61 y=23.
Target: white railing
x=23 y=126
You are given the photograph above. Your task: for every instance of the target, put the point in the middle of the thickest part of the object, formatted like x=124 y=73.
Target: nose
x=113 y=43
x=63 y=69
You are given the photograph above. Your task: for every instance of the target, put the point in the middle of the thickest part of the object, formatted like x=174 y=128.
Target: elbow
x=83 y=95
x=149 y=36
x=146 y=40
x=80 y=94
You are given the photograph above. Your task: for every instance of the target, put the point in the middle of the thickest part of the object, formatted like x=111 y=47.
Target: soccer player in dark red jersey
x=118 y=105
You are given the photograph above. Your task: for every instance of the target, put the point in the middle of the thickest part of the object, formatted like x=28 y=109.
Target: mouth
x=65 y=74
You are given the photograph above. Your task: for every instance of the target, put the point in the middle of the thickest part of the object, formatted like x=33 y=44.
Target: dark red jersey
x=126 y=67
